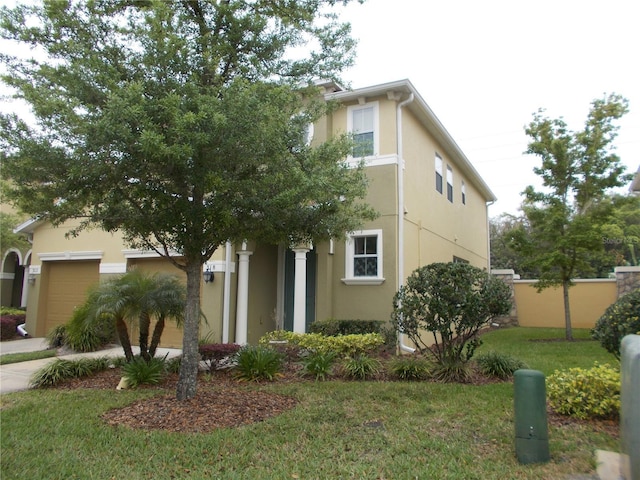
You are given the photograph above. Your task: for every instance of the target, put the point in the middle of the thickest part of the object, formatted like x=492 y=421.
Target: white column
x=242 y=306
x=300 y=290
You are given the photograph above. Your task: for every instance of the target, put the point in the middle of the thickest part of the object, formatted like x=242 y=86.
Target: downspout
x=488 y=204
x=399 y=107
x=226 y=293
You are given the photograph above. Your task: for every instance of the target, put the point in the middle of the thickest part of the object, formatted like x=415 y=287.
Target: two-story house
x=432 y=205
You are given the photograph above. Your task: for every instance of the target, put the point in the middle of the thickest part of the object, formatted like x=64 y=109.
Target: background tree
x=565 y=218
x=452 y=301
x=503 y=231
x=182 y=124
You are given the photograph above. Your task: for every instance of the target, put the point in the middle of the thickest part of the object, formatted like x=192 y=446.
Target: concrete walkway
x=15 y=377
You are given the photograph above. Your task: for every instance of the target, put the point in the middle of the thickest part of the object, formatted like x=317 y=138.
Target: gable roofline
x=27 y=226
x=425 y=115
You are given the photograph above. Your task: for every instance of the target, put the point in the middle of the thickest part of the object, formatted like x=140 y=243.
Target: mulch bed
x=224 y=402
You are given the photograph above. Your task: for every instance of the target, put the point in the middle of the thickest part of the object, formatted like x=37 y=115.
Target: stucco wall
x=588 y=299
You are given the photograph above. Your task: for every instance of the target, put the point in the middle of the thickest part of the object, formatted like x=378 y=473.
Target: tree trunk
x=190 y=357
x=144 y=323
x=123 y=336
x=157 y=334
x=567 y=311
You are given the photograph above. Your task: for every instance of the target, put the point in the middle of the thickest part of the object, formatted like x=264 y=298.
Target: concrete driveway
x=15 y=376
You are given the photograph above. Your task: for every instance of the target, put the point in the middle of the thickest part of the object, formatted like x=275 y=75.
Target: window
x=363 y=258
x=449 y=184
x=463 y=189
x=362 y=124
x=438 y=173
x=459 y=260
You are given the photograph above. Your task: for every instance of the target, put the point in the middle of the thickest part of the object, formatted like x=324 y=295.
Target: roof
x=425 y=115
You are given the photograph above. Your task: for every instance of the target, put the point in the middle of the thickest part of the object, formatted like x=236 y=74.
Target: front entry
x=289 y=287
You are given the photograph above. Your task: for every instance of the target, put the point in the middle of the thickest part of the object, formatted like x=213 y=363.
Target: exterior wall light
x=207 y=275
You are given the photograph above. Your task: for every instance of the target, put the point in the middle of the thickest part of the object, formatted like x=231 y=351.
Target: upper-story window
x=463 y=189
x=449 y=184
x=363 y=125
x=438 y=173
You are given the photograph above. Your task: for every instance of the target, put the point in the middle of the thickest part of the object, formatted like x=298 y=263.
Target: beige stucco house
x=432 y=205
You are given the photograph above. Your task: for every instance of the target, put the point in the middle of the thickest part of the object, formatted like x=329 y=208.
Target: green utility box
x=530 y=402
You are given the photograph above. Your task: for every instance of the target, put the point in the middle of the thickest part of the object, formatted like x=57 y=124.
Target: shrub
x=453 y=301
x=585 y=393
x=318 y=364
x=173 y=365
x=343 y=345
x=140 y=371
x=361 y=367
x=214 y=353
x=500 y=365
x=7 y=328
x=57 y=336
x=259 y=362
x=450 y=372
x=334 y=327
x=61 y=369
x=86 y=332
x=410 y=367
x=620 y=319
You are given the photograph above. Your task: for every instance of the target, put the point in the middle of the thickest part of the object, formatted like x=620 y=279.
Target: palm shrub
x=585 y=393
x=140 y=371
x=452 y=301
x=410 y=367
x=620 y=319
x=318 y=364
x=254 y=363
x=361 y=367
x=500 y=365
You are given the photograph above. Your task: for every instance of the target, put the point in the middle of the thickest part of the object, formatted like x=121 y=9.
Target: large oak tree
x=181 y=124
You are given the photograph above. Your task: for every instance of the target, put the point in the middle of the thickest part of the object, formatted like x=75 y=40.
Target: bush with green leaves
x=452 y=301
x=57 y=336
x=85 y=333
x=257 y=362
x=140 y=371
x=585 y=393
x=620 y=319
x=342 y=345
x=500 y=365
x=411 y=368
x=318 y=364
x=334 y=327
x=361 y=367
x=61 y=369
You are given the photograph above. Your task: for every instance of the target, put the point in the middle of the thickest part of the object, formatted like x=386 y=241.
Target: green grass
x=340 y=429
x=8 y=358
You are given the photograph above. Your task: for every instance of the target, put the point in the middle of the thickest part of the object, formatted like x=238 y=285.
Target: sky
x=486 y=67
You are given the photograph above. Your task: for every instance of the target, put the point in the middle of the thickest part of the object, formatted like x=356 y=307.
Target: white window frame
x=350 y=278
x=450 y=183
x=463 y=189
x=439 y=175
x=376 y=124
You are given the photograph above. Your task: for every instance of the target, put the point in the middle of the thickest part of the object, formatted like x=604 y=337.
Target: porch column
x=300 y=290
x=242 y=306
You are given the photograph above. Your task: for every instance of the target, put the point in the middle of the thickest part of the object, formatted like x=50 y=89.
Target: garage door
x=67 y=287
x=172 y=335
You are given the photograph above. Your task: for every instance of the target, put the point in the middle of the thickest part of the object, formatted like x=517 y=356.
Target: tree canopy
x=565 y=217
x=180 y=124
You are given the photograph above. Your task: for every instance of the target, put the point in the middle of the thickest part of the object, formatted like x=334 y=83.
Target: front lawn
x=339 y=429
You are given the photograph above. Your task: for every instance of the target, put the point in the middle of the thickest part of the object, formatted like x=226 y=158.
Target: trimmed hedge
x=343 y=345
x=9 y=323
x=333 y=327
x=620 y=319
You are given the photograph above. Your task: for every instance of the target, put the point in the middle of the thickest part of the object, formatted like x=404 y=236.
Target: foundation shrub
x=318 y=364
x=86 y=332
x=139 y=371
x=410 y=368
x=61 y=369
x=361 y=367
x=585 y=393
x=334 y=327
x=7 y=327
x=499 y=365
x=620 y=319
x=57 y=336
x=342 y=345
x=255 y=363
